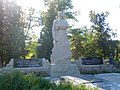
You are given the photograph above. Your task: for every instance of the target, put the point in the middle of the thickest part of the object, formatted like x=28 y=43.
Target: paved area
x=111 y=81
x=112 y=77
x=108 y=81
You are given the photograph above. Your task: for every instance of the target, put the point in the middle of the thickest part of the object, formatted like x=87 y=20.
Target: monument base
x=59 y=70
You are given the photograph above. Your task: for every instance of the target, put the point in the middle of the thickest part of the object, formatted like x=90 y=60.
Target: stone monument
x=111 y=59
x=61 y=53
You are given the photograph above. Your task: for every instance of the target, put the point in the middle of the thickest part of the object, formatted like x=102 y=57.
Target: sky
x=112 y=6
x=85 y=6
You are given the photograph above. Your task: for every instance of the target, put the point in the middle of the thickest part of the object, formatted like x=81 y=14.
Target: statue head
x=61 y=15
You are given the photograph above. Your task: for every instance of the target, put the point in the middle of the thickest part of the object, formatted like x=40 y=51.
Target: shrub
x=12 y=81
x=16 y=80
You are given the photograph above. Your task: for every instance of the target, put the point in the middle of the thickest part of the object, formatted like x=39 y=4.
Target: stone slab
x=76 y=80
x=92 y=61
x=79 y=80
x=112 y=77
x=108 y=81
x=59 y=70
x=21 y=63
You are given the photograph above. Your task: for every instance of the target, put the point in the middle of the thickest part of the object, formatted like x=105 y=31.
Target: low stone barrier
x=39 y=67
x=94 y=69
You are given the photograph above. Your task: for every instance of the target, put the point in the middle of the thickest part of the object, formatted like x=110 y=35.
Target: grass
x=16 y=80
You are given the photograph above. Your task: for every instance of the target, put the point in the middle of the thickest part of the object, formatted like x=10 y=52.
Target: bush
x=16 y=80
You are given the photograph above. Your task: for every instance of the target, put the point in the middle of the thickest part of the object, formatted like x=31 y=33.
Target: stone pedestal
x=10 y=64
x=59 y=70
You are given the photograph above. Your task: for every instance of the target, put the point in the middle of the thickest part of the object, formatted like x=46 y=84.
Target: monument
x=25 y=63
x=92 y=61
x=111 y=59
x=61 y=53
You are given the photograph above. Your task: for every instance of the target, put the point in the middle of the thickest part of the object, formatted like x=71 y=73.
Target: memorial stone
x=92 y=61
x=61 y=53
x=21 y=63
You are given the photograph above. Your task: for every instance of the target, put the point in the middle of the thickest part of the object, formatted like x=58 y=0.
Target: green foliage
x=82 y=43
x=77 y=41
x=114 y=47
x=12 y=37
x=96 y=41
x=102 y=33
x=32 y=21
x=31 y=46
x=70 y=86
x=16 y=80
x=12 y=81
x=17 y=41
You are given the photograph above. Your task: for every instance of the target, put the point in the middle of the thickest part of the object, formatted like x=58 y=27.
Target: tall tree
x=17 y=37
x=11 y=31
x=101 y=31
x=32 y=21
x=46 y=44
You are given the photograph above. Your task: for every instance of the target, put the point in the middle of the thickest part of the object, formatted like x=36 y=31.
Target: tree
x=12 y=42
x=46 y=41
x=17 y=42
x=82 y=43
x=102 y=32
x=94 y=42
x=114 y=46
x=77 y=40
x=32 y=21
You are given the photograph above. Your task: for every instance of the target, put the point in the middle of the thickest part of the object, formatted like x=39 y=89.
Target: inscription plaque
x=22 y=63
x=92 y=61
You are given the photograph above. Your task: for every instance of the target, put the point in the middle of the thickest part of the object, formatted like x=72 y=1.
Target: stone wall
x=44 y=70
x=94 y=69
